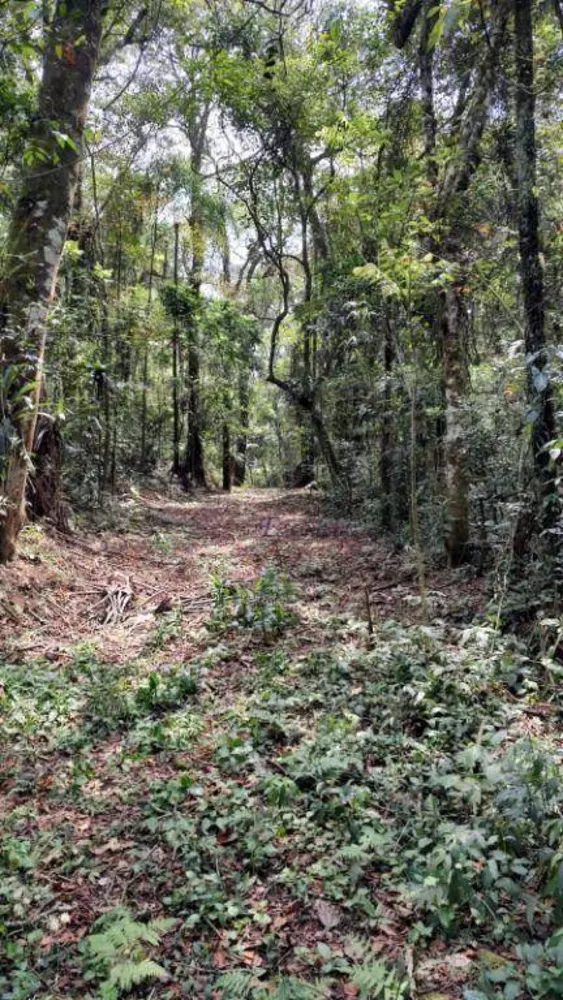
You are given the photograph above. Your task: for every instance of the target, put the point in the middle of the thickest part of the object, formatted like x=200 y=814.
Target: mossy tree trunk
x=539 y=390
x=36 y=237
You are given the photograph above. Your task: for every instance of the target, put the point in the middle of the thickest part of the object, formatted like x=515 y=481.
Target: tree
x=37 y=234
x=449 y=195
x=540 y=396
x=231 y=338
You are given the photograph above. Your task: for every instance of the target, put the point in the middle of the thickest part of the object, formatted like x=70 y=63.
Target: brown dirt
x=55 y=594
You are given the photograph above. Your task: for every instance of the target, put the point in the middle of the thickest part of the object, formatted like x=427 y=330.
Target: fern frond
x=163 y=924
x=353 y=852
x=124 y=933
x=128 y=974
x=236 y=985
x=374 y=839
x=118 y=952
x=298 y=989
x=376 y=981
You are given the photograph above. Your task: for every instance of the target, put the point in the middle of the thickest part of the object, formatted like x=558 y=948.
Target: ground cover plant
x=274 y=799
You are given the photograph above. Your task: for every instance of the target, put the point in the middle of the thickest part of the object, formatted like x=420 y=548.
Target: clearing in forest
x=237 y=762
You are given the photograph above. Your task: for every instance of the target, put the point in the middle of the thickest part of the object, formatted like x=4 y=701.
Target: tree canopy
x=368 y=193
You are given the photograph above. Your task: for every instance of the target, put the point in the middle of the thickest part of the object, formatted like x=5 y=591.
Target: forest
x=281 y=523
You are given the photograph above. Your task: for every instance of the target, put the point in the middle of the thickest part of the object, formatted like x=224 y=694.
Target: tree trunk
x=456 y=383
x=175 y=368
x=37 y=234
x=45 y=492
x=194 y=468
x=227 y=458
x=326 y=448
x=450 y=190
x=106 y=397
x=426 y=75
x=193 y=471
x=239 y=474
x=307 y=455
x=386 y=459
x=143 y=463
x=452 y=316
x=539 y=389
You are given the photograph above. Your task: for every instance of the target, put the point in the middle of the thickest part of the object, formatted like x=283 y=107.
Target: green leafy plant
x=168 y=628
x=109 y=702
x=377 y=981
x=117 y=953
x=166 y=690
x=537 y=973
x=264 y=607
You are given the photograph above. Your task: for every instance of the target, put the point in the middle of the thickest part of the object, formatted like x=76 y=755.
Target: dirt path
x=166 y=552
x=180 y=703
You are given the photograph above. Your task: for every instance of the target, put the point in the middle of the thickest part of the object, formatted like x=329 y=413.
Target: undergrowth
x=320 y=824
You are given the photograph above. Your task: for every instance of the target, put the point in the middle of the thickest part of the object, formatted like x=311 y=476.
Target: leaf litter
x=199 y=723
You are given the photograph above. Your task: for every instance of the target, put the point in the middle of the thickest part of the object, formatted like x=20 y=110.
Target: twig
x=116 y=598
x=391 y=583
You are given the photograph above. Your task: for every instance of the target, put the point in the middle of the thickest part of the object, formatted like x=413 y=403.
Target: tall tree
x=450 y=187
x=37 y=234
x=539 y=389
x=196 y=123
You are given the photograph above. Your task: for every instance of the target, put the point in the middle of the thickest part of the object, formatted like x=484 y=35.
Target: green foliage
x=109 y=704
x=163 y=692
x=375 y=980
x=168 y=628
x=113 y=699
x=118 y=952
x=163 y=543
x=236 y=985
x=347 y=196
x=181 y=303
x=536 y=973
x=263 y=607
x=398 y=773
x=305 y=813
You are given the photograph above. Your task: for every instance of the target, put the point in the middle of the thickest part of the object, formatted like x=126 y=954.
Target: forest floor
x=226 y=771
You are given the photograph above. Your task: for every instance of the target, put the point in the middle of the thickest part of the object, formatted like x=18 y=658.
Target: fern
x=353 y=852
x=129 y=974
x=374 y=839
x=236 y=985
x=376 y=981
x=127 y=933
x=118 y=952
x=299 y=989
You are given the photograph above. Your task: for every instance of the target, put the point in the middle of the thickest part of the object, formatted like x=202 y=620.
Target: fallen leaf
x=112 y=846
x=328 y=914
x=226 y=837
x=251 y=958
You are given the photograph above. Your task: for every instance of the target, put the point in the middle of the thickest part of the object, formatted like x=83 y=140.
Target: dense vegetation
x=250 y=792
x=301 y=241
x=282 y=244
